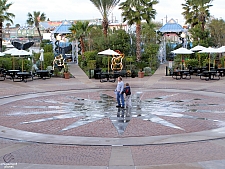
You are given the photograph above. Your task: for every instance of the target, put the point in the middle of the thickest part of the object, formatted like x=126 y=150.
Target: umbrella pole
x=108 y=64
x=13 y=63
x=22 y=64
x=209 y=62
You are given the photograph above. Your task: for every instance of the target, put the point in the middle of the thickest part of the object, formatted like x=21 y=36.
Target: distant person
x=127 y=92
x=119 y=93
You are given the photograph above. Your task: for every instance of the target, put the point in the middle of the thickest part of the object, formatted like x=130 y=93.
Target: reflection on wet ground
x=93 y=110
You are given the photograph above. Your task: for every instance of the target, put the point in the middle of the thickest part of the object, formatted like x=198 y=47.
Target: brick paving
x=209 y=113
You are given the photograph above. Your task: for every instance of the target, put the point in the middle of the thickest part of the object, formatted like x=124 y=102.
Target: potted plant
x=66 y=72
x=141 y=65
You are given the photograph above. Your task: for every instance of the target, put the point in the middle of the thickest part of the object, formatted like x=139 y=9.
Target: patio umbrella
x=2 y=54
x=41 y=58
x=15 y=52
x=197 y=48
x=182 y=51
x=108 y=52
x=210 y=50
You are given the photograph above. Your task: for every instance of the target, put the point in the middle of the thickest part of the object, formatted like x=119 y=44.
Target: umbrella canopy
x=17 y=52
x=197 y=48
x=221 y=49
x=108 y=52
x=2 y=54
x=41 y=58
x=182 y=51
x=210 y=50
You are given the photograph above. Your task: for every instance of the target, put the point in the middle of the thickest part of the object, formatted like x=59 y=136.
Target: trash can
x=96 y=76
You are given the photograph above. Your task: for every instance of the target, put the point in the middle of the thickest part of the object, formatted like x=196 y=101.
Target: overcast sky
x=57 y=10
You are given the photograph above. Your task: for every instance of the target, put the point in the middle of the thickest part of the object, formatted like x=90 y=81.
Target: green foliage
x=48 y=59
x=141 y=64
x=6 y=63
x=201 y=37
x=147 y=71
x=105 y=61
x=48 y=48
x=150 y=55
x=91 y=64
x=90 y=55
x=66 y=68
x=192 y=62
x=120 y=40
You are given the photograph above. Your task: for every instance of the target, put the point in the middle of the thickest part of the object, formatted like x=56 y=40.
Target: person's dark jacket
x=127 y=90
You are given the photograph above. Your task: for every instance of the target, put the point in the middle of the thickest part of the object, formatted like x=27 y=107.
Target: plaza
x=73 y=123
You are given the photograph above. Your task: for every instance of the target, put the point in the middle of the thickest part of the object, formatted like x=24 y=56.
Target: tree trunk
x=82 y=47
x=138 y=42
x=105 y=26
x=39 y=32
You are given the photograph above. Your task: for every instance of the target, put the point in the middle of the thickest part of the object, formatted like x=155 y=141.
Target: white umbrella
x=182 y=51
x=2 y=54
x=197 y=48
x=108 y=52
x=210 y=50
x=41 y=58
x=16 y=52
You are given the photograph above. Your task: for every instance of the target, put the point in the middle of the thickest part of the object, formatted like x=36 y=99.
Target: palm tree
x=8 y=25
x=105 y=7
x=4 y=16
x=197 y=12
x=17 y=25
x=134 y=11
x=79 y=31
x=35 y=19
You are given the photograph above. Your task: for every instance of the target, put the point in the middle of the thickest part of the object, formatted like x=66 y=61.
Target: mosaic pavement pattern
x=93 y=114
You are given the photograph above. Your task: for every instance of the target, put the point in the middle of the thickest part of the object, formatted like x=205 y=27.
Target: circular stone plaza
x=74 y=124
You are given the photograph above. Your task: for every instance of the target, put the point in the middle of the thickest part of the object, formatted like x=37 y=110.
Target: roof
x=63 y=28
x=171 y=26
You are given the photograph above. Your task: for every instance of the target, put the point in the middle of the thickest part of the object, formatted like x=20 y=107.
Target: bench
x=23 y=76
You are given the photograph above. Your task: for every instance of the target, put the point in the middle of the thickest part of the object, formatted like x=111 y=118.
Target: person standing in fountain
x=127 y=92
x=119 y=92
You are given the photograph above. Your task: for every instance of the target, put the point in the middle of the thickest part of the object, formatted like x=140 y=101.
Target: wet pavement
x=59 y=123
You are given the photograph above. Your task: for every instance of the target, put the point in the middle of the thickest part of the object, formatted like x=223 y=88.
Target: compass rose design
x=90 y=111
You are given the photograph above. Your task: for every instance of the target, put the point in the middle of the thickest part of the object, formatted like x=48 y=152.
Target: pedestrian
x=119 y=92
x=127 y=92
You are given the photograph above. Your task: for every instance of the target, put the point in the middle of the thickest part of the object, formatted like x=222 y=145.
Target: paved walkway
x=178 y=124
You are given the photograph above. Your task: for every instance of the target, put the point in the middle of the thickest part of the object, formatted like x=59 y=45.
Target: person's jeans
x=120 y=97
